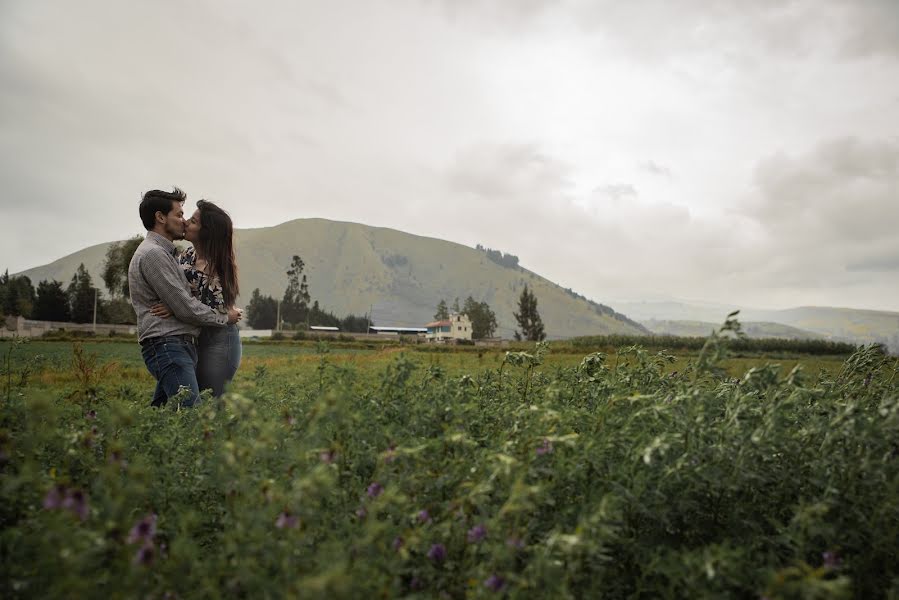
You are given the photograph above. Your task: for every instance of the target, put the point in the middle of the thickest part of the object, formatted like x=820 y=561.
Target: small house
x=457 y=327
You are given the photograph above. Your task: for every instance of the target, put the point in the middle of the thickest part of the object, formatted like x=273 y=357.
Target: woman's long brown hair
x=216 y=244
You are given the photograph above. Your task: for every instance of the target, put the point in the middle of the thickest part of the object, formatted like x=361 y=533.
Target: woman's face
x=192 y=227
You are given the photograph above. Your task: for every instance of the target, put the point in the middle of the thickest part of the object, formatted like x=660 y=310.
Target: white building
x=457 y=327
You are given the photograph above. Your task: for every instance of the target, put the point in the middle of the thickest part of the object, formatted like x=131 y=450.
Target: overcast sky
x=731 y=151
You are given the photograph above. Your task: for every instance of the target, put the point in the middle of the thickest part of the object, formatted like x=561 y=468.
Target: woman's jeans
x=219 y=353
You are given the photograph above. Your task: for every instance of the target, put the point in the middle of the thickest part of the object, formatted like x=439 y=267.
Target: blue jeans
x=172 y=361
x=219 y=352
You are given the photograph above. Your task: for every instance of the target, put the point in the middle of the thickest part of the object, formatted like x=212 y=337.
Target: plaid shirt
x=155 y=276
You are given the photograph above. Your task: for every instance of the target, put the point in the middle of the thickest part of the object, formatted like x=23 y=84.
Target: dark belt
x=182 y=337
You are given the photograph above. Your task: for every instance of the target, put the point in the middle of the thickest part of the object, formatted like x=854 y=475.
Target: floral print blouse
x=206 y=289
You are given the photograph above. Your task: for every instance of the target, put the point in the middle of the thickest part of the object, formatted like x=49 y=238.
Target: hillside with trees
x=355 y=269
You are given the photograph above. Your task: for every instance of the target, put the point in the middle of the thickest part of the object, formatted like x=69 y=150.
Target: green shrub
x=615 y=478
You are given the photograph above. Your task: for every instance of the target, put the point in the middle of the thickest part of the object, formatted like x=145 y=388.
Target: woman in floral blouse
x=211 y=270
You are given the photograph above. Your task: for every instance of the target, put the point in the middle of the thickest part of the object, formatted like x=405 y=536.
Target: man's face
x=173 y=224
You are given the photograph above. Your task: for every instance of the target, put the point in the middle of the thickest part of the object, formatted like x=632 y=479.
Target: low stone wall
x=22 y=327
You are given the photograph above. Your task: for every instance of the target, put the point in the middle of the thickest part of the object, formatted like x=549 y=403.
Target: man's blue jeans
x=172 y=360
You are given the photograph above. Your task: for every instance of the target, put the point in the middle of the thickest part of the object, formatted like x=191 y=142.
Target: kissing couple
x=186 y=318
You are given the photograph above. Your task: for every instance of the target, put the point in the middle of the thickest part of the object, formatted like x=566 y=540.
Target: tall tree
x=528 y=318
x=81 y=296
x=16 y=295
x=442 y=313
x=483 y=319
x=295 y=304
x=115 y=266
x=262 y=311
x=116 y=310
x=4 y=291
x=354 y=324
x=52 y=303
x=456 y=308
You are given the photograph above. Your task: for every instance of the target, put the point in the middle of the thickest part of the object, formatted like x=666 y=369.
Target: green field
x=343 y=471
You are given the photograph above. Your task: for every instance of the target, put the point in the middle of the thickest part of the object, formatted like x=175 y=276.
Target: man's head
x=163 y=213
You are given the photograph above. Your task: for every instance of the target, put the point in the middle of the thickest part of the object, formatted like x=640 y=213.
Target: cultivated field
x=353 y=472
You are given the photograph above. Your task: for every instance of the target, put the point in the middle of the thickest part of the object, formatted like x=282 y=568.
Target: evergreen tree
x=115 y=267
x=116 y=310
x=52 y=303
x=483 y=319
x=81 y=296
x=456 y=308
x=262 y=311
x=442 y=313
x=354 y=324
x=16 y=295
x=295 y=304
x=4 y=292
x=528 y=318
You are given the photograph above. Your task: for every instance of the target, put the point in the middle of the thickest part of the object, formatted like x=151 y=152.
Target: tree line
x=297 y=309
x=483 y=319
x=51 y=301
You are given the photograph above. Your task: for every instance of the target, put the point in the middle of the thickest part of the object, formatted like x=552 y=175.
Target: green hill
x=352 y=268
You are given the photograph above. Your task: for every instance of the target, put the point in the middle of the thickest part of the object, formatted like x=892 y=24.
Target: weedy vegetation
x=628 y=474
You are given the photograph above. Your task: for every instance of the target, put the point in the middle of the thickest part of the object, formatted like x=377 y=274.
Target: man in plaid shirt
x=168 y=345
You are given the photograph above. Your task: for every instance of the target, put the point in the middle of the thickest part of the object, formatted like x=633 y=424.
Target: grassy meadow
x=356 y=471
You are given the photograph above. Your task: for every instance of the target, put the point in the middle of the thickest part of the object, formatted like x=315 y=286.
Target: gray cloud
x=497 y=171
x=880 y=264
x=828 y=216
x=874 y=28
x=617 y=191
x=654 y=168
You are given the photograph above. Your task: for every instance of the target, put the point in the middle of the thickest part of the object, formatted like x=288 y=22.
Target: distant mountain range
x=840 y=324
x=400 y=277
x=752 y=329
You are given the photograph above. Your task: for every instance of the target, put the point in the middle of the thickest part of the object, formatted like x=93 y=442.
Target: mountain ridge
x=399 y=276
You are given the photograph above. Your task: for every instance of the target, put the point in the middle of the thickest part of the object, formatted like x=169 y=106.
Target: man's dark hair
x=158 y=201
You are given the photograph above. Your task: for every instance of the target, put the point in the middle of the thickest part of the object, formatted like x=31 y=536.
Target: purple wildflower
x=143 y=530
x=424 y=516
x=76 y=502
x=91 y=415
x=477 y=533
x=361 y=513
x=145 y=555
x=53 y=499
x=515 y=542
x=375 y=489
x=495 y=583
x=398 y=542
x=546 y=447
x=286 y=520
x=116 y=458
x=831 y=560
x=327 y=456
x=437 y=553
